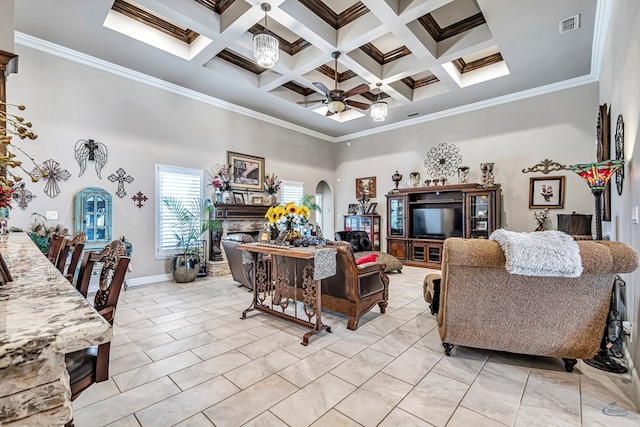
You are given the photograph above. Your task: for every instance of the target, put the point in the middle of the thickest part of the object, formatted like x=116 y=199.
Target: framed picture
x=481 y=225
x=366 y=187
x=238 y=198
x=372 y=208
x=247 y=172
x=546 y=192
x=353 y=208
x=257 y=200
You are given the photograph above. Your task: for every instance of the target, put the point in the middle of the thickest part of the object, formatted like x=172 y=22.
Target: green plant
x=190 y=221
x=307 y=200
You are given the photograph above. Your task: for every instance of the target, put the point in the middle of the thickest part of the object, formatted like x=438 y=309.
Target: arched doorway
x=324 y=217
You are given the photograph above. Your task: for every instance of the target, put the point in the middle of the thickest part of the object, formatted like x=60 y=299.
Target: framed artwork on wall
x=366 y=187
x=546 y=192
x=247 y=172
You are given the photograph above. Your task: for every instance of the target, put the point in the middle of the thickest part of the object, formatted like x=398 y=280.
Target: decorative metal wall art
x=54 y=173
x=121 y=177
x=620 y=152
x=91 y=151
x=443 y=160
x=22 y=195
x=603 y=153
x=140 y=199
x=546 y=166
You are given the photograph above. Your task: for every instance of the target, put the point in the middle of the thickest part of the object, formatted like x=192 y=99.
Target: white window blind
x=291 y=191
x=171 y=181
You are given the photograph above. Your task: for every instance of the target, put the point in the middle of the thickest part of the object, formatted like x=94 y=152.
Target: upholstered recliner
x=242 y=273
x=482 y=305
x=362 y=246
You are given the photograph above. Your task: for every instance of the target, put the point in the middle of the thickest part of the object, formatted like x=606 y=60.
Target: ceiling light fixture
x=336 y=106
x=265 y=44
x=379 y=108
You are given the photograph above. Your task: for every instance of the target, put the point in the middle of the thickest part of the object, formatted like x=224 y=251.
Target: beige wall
x=558 y=126
x=620 y=88
x=7 y=12
x=141 y=126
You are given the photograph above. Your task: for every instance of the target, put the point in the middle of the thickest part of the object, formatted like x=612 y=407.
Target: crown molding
x=600 y=31
x=91 y=61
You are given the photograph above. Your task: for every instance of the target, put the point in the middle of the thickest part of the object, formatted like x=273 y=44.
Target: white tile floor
x=182 y=356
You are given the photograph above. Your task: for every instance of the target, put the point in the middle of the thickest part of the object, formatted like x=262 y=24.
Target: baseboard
x=149 y=279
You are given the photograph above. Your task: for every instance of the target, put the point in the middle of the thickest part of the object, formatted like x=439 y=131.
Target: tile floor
x=182 y=356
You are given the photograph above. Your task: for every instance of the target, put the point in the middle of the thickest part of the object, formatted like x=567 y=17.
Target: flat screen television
x=437 y=222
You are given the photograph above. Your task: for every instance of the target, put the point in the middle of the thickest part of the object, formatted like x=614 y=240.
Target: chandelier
x=265 y=44
x=379 y=108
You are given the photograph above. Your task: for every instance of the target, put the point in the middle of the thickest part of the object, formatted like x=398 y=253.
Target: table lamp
x=597 y=176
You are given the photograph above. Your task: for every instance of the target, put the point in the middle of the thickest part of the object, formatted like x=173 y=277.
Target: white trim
x=600 y=30
x=137 y=281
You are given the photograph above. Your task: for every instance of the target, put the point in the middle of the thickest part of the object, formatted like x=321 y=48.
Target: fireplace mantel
x=236 y=218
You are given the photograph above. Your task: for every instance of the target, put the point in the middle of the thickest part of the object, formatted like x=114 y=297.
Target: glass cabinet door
x=397 y=216
x=479 y=216
x=93 y=215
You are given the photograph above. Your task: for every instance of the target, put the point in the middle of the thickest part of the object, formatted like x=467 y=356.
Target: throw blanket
x=541 y=253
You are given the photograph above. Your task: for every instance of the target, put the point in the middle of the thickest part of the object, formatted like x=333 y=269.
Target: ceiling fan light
x=336 y=106
x=379 y=111
x=265 y=49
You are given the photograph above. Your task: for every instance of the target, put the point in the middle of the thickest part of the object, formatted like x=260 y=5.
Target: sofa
x=362 y=246
x=481 y=305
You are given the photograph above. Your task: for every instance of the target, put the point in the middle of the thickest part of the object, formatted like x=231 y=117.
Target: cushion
x=355 y=243
x=391 y=263
x=365 y=244
x=367 y=258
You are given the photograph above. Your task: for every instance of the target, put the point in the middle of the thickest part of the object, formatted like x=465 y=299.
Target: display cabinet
x=479 y=217
x=93 y=216
x=367 y=223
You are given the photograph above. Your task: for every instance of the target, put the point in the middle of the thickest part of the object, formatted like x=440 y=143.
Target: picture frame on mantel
x=247 y=172
x=546 y=192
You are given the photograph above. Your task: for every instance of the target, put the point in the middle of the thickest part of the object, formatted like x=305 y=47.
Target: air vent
x=569 y=24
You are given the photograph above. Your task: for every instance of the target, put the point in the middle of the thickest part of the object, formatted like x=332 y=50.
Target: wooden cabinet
x=420 y=219
x=368 y=223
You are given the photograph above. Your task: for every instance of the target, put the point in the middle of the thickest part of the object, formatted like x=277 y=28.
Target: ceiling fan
x=336 y=100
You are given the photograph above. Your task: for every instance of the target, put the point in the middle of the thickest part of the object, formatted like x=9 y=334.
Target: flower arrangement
x=272 y=184
x=287 y=217
x=13 y=125
x=220 y=177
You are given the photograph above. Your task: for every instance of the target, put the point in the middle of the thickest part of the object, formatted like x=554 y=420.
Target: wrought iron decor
x=443 y=160
x=53 y=173
x=22 y=195
x=620 y=152
x=121 y=177
x=603 y=153
x=139 y=198
x=90 y=150
x=546 y=166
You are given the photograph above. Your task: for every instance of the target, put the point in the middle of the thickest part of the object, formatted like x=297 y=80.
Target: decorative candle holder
x=396 y=178
x=463 y=174
x=415 y=179
x=427 y=182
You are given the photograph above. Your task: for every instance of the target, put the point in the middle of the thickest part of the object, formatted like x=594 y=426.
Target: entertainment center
x=420 y=218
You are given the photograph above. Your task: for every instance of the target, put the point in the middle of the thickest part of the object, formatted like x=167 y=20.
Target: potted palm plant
x=190 y=221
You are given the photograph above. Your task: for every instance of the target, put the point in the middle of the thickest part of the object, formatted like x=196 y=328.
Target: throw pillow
x=365 y=244
x=367 y=258
x=355 y=244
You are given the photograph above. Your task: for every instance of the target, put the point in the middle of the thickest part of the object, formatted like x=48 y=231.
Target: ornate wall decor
x=91 y=151
x=443 y=160
x=604 y=153
x=22 y=195
x=546 y=166
x=140 y=199
x=54 y=173
x=619 y=152
x=121 y=177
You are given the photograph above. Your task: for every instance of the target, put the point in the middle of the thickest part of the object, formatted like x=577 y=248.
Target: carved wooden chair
x=91 y=365
x=74 y=246
x=55 y=243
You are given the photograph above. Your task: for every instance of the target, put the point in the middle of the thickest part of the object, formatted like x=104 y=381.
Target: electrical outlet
x=634 y=215
x=52 y=214
x=627 y=329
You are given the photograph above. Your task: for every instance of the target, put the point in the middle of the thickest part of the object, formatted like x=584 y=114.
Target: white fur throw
x=540 y=253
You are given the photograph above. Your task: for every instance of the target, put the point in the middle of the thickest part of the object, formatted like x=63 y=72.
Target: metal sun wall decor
x=140 y=199
x=22 y=195
x=546 y=166
x=53 y=173
x=89 y=150
x=620 y=153
x=443 y=160
x=121 y=177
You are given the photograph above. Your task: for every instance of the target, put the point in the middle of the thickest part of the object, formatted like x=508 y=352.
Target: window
x=183 y=183
x=291 y=191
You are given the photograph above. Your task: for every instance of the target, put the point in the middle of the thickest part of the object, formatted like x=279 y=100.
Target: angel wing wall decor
x=91 y=151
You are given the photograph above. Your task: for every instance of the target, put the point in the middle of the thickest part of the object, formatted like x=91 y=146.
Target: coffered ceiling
x=432 y=57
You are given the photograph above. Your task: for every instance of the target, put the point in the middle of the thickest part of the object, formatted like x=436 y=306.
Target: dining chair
x=73 y=246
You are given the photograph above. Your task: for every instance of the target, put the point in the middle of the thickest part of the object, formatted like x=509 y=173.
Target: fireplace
x=235 y=218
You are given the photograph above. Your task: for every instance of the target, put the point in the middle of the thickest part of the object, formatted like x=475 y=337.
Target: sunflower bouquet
x=287 y=217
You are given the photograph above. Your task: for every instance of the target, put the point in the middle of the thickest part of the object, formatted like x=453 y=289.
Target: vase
x=217 y=197
x=184 y=268
x=292 y=235
x=415 y=179
x=273 y=199
x=226 y=196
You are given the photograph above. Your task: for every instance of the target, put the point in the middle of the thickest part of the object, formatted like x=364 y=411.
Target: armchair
x=242 y=273
x=481 y=305
x=361 y=245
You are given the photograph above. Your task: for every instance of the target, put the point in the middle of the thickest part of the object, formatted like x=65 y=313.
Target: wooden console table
x=42 y=317
x=278 y=289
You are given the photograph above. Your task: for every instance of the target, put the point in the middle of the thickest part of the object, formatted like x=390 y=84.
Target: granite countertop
x=41 y=313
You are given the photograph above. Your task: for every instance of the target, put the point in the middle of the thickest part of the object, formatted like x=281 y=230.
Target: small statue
x=463 y=174
x=396 y=178
x=415 y=179
x=541 y=217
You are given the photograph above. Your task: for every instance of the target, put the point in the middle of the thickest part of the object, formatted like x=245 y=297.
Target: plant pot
x=184 y=268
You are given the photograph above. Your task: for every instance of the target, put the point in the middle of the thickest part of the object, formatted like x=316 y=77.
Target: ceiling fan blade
x=313 y=101
x=322 y=87
x=356 y=104
x=357 y=90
